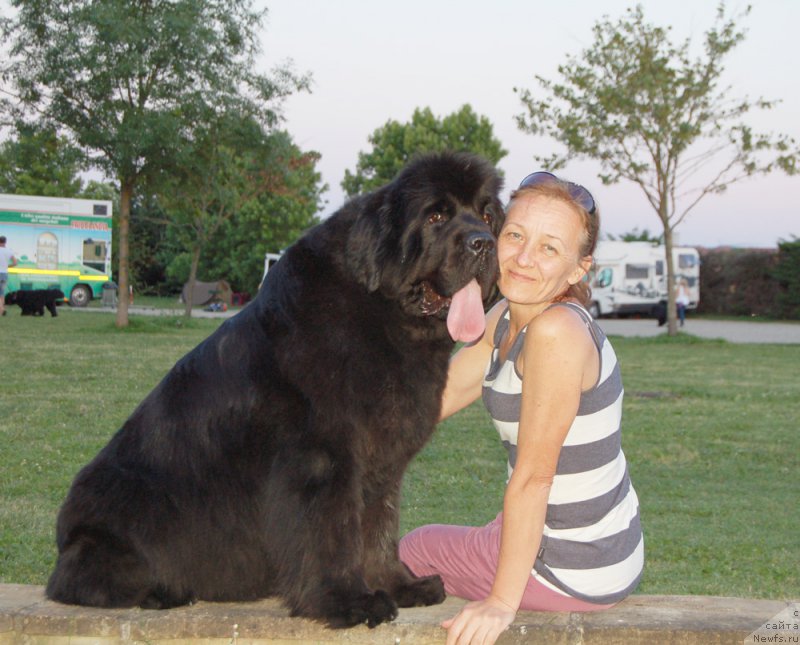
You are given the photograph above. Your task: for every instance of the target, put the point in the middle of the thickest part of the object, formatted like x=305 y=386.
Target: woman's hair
x=559 y=189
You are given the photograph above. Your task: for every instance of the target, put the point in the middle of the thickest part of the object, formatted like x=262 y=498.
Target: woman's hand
x=479 y=623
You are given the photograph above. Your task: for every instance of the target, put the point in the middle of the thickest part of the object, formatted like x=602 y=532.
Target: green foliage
x=101 y=190
x=395 y=143
x=150 y=249
x=265 y=225
x=128 y=77
x=637 y=236
x=40 y=162
x=257 y=194
x=218 y=172
x=787 y=273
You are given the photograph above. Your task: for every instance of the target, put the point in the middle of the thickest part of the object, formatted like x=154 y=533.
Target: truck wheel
x=594 y=310
x=80 y=295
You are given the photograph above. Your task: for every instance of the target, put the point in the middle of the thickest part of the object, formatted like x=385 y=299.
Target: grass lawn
x=709 y=429
x=156 y=302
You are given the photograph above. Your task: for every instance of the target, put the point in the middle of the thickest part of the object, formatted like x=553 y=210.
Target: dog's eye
x=436 y=218
x=487 y=217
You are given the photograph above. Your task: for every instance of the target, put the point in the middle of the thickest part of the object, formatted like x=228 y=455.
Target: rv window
x=604 y=278
x=637 y=271
x=659 y=267
x=686 y=261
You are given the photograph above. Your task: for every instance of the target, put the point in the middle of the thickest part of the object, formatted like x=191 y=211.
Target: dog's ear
x=367 y=242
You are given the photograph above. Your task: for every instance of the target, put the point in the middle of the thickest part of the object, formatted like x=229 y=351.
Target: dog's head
x=12 y=298
x=428 y=240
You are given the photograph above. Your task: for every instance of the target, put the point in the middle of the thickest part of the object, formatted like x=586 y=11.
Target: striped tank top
x=592 y=546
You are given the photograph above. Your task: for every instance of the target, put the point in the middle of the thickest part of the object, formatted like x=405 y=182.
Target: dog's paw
x=370 y=609
x=420 y=592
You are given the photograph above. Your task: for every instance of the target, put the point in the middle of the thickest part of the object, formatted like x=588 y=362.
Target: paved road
x=733 y=331
x=157 y=311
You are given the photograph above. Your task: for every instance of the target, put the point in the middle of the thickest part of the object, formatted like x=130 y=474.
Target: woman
x=568 y=538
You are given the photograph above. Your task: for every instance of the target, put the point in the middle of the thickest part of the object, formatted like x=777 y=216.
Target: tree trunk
x=125 y=199
x=672 y=318
x=192 y=279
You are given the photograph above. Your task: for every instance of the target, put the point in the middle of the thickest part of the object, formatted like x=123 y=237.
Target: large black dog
x=269 y=460
x=35 y=301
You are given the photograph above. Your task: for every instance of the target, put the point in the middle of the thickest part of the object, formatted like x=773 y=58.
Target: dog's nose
x=479 y=242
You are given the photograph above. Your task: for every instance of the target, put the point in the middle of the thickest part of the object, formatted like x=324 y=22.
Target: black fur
x=269 y=460
x=34 y=302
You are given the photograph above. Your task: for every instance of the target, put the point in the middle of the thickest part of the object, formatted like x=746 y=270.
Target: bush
x=786 y=273
x=739 y=282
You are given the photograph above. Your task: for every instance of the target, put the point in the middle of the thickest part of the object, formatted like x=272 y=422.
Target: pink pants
x=466 y=559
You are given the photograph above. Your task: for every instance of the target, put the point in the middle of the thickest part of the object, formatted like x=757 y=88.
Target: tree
x=210 y=183
x=39 y=162
x=150 y=245
x=229 y=165
x=636 y=236
x=131 y=79
x=653 y=115
x=270 y=222
x=394 y=144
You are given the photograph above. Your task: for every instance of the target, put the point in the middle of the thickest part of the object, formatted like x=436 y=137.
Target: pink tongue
x=465 y=320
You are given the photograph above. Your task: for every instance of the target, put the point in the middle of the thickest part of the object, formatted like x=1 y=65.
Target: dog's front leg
x=316 y=513
x=381 y=562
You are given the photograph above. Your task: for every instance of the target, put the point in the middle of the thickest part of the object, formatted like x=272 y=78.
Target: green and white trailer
x=59 y=243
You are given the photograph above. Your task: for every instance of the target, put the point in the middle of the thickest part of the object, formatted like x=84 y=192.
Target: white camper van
x=631 y=277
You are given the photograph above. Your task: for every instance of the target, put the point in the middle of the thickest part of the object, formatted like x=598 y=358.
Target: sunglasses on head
x=576 y=191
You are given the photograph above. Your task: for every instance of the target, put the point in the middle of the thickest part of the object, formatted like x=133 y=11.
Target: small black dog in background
x=33 y=302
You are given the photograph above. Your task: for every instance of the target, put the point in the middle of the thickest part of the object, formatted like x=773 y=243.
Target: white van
x=631 y=277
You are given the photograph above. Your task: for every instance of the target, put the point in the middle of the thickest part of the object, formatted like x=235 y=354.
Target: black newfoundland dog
x=269 y=460
x=35 y=301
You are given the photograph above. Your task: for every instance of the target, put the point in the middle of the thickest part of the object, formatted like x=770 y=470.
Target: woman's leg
x=466 y=559
x=461 y=555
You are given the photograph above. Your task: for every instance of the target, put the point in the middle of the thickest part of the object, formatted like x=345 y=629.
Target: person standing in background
x=682 y=299
x=7 y=259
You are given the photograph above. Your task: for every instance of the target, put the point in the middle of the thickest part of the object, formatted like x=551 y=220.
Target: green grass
x=709 y=429
x=155 y=302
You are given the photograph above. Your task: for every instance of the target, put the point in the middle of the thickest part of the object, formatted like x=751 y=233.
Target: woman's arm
x=557 y=347
x=467 y=367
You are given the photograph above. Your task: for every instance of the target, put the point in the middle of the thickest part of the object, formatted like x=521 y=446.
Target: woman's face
x=539 y=250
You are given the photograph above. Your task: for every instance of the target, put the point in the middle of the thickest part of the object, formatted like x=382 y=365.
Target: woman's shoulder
x=560 y=323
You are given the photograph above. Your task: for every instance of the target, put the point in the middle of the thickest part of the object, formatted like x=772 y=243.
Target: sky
x=372 y=61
